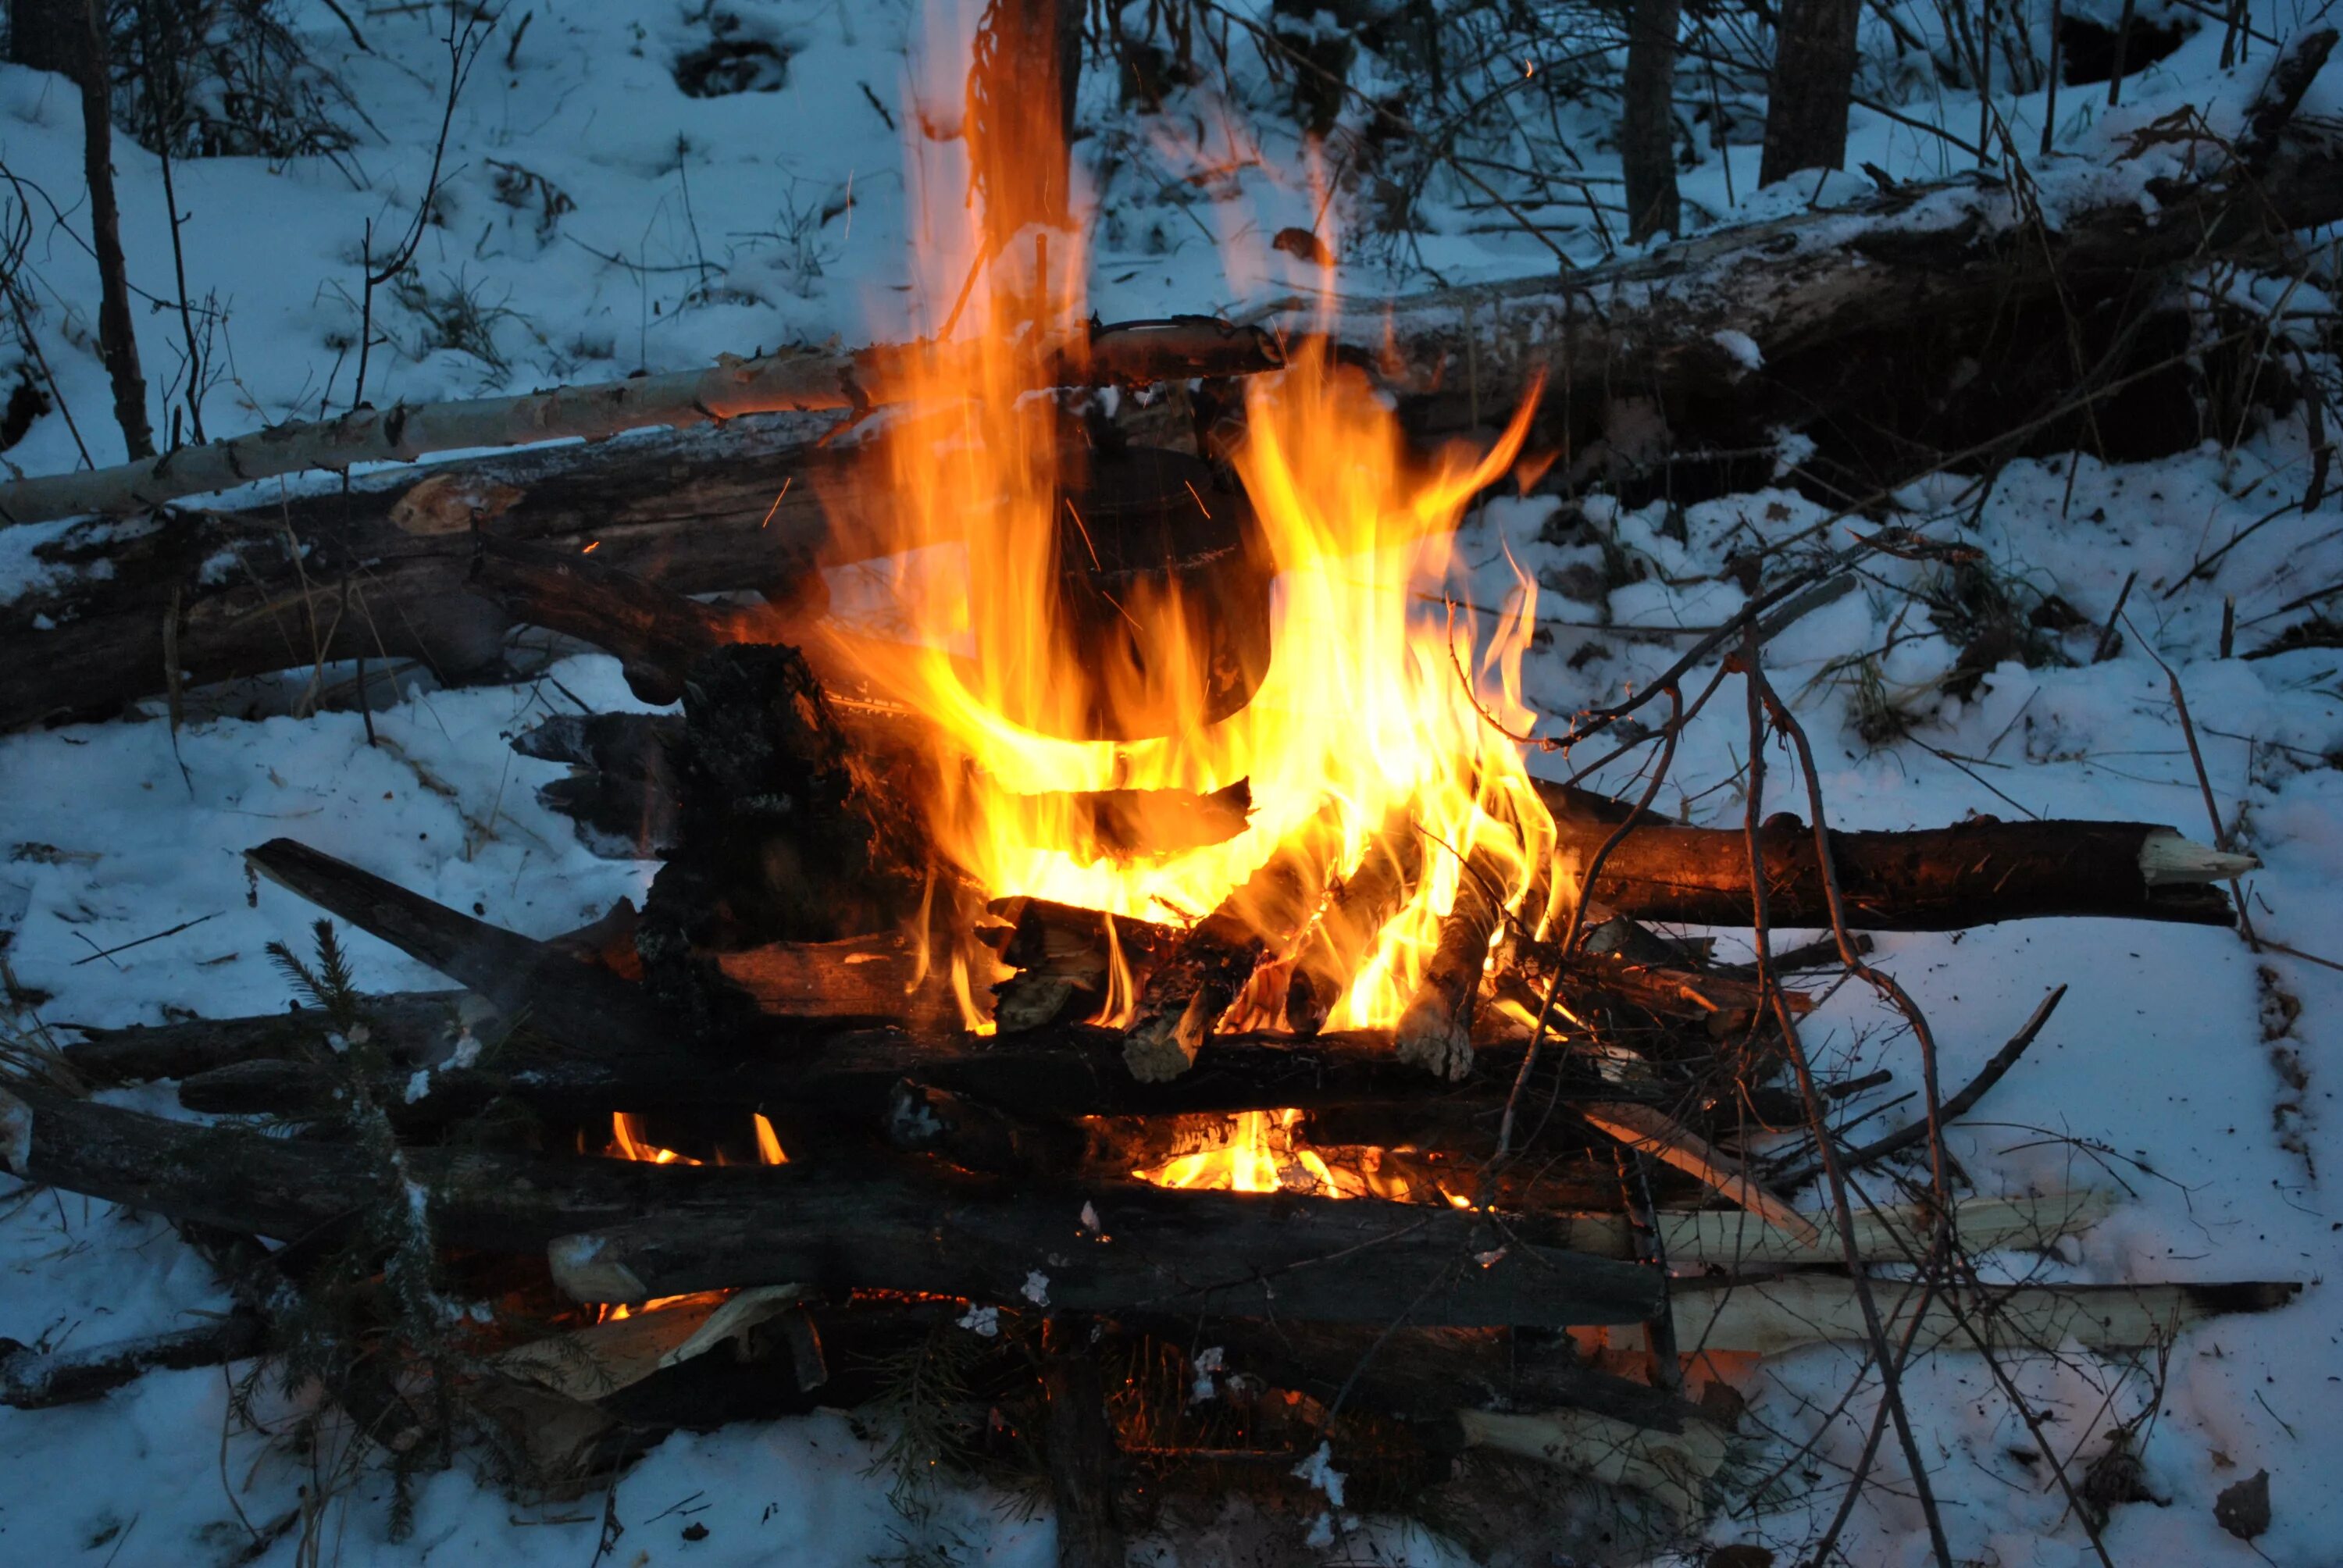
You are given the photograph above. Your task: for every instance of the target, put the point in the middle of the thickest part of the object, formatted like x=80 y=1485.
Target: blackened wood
x=1193 y=985
x=623 y=1230
x=263 y=588
x=786 y=834
x=655 y=632
x=1064 y=957
x=1426 y=1374
x=1928 y=879
x=620 y=791
x=416 y=1026
x=1079 y=1443
x=587 y=1007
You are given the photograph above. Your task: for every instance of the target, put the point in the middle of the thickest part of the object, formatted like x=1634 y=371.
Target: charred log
x=628 y=1231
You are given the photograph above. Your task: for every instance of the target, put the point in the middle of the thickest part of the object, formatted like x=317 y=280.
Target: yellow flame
x=626 y=1142
x=769 y=1143
x=1372 y=700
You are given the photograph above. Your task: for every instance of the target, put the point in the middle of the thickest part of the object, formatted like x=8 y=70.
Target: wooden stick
x=1649 y=1130
x=589 y=1009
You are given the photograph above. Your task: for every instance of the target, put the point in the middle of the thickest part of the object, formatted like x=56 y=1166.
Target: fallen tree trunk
x=794 y=381
x=626 y=1231
x=1789 y=285
x=1803 y=289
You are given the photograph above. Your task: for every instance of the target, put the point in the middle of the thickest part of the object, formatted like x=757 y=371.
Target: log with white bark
x=792 y=381
x=1769 y=1316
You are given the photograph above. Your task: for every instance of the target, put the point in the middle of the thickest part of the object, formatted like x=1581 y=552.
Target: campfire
x=1122 y=923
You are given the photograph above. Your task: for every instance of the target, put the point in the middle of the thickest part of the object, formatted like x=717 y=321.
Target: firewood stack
x=814 y=1148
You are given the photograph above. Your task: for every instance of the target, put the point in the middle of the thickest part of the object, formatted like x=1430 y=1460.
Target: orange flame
x=1374 y=697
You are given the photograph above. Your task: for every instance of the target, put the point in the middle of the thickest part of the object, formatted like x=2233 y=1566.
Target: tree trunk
x=1812 y=82
x=47 y=35
x=117 y=338
x=1647 y=122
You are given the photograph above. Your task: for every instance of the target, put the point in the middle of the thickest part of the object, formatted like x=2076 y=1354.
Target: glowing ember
x=1263 y=1152
x=1365 y=709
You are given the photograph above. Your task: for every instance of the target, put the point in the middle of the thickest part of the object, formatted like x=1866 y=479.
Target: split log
x=625 y=1230
x=1931 y=880
x=1767 y=1317
x=1194 y=984
x=1435 y=1033
x=1352 y=920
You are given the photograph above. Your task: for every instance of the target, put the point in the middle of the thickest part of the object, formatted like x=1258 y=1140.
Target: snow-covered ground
x=2184 y=1071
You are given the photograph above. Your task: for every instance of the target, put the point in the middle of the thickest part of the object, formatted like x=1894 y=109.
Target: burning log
x=1199 y=980
x=625 y=1230
x=1065 y=959
x=1353 y=917
x=685 y=506
x=1972 y=873
x=1435 y=1033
